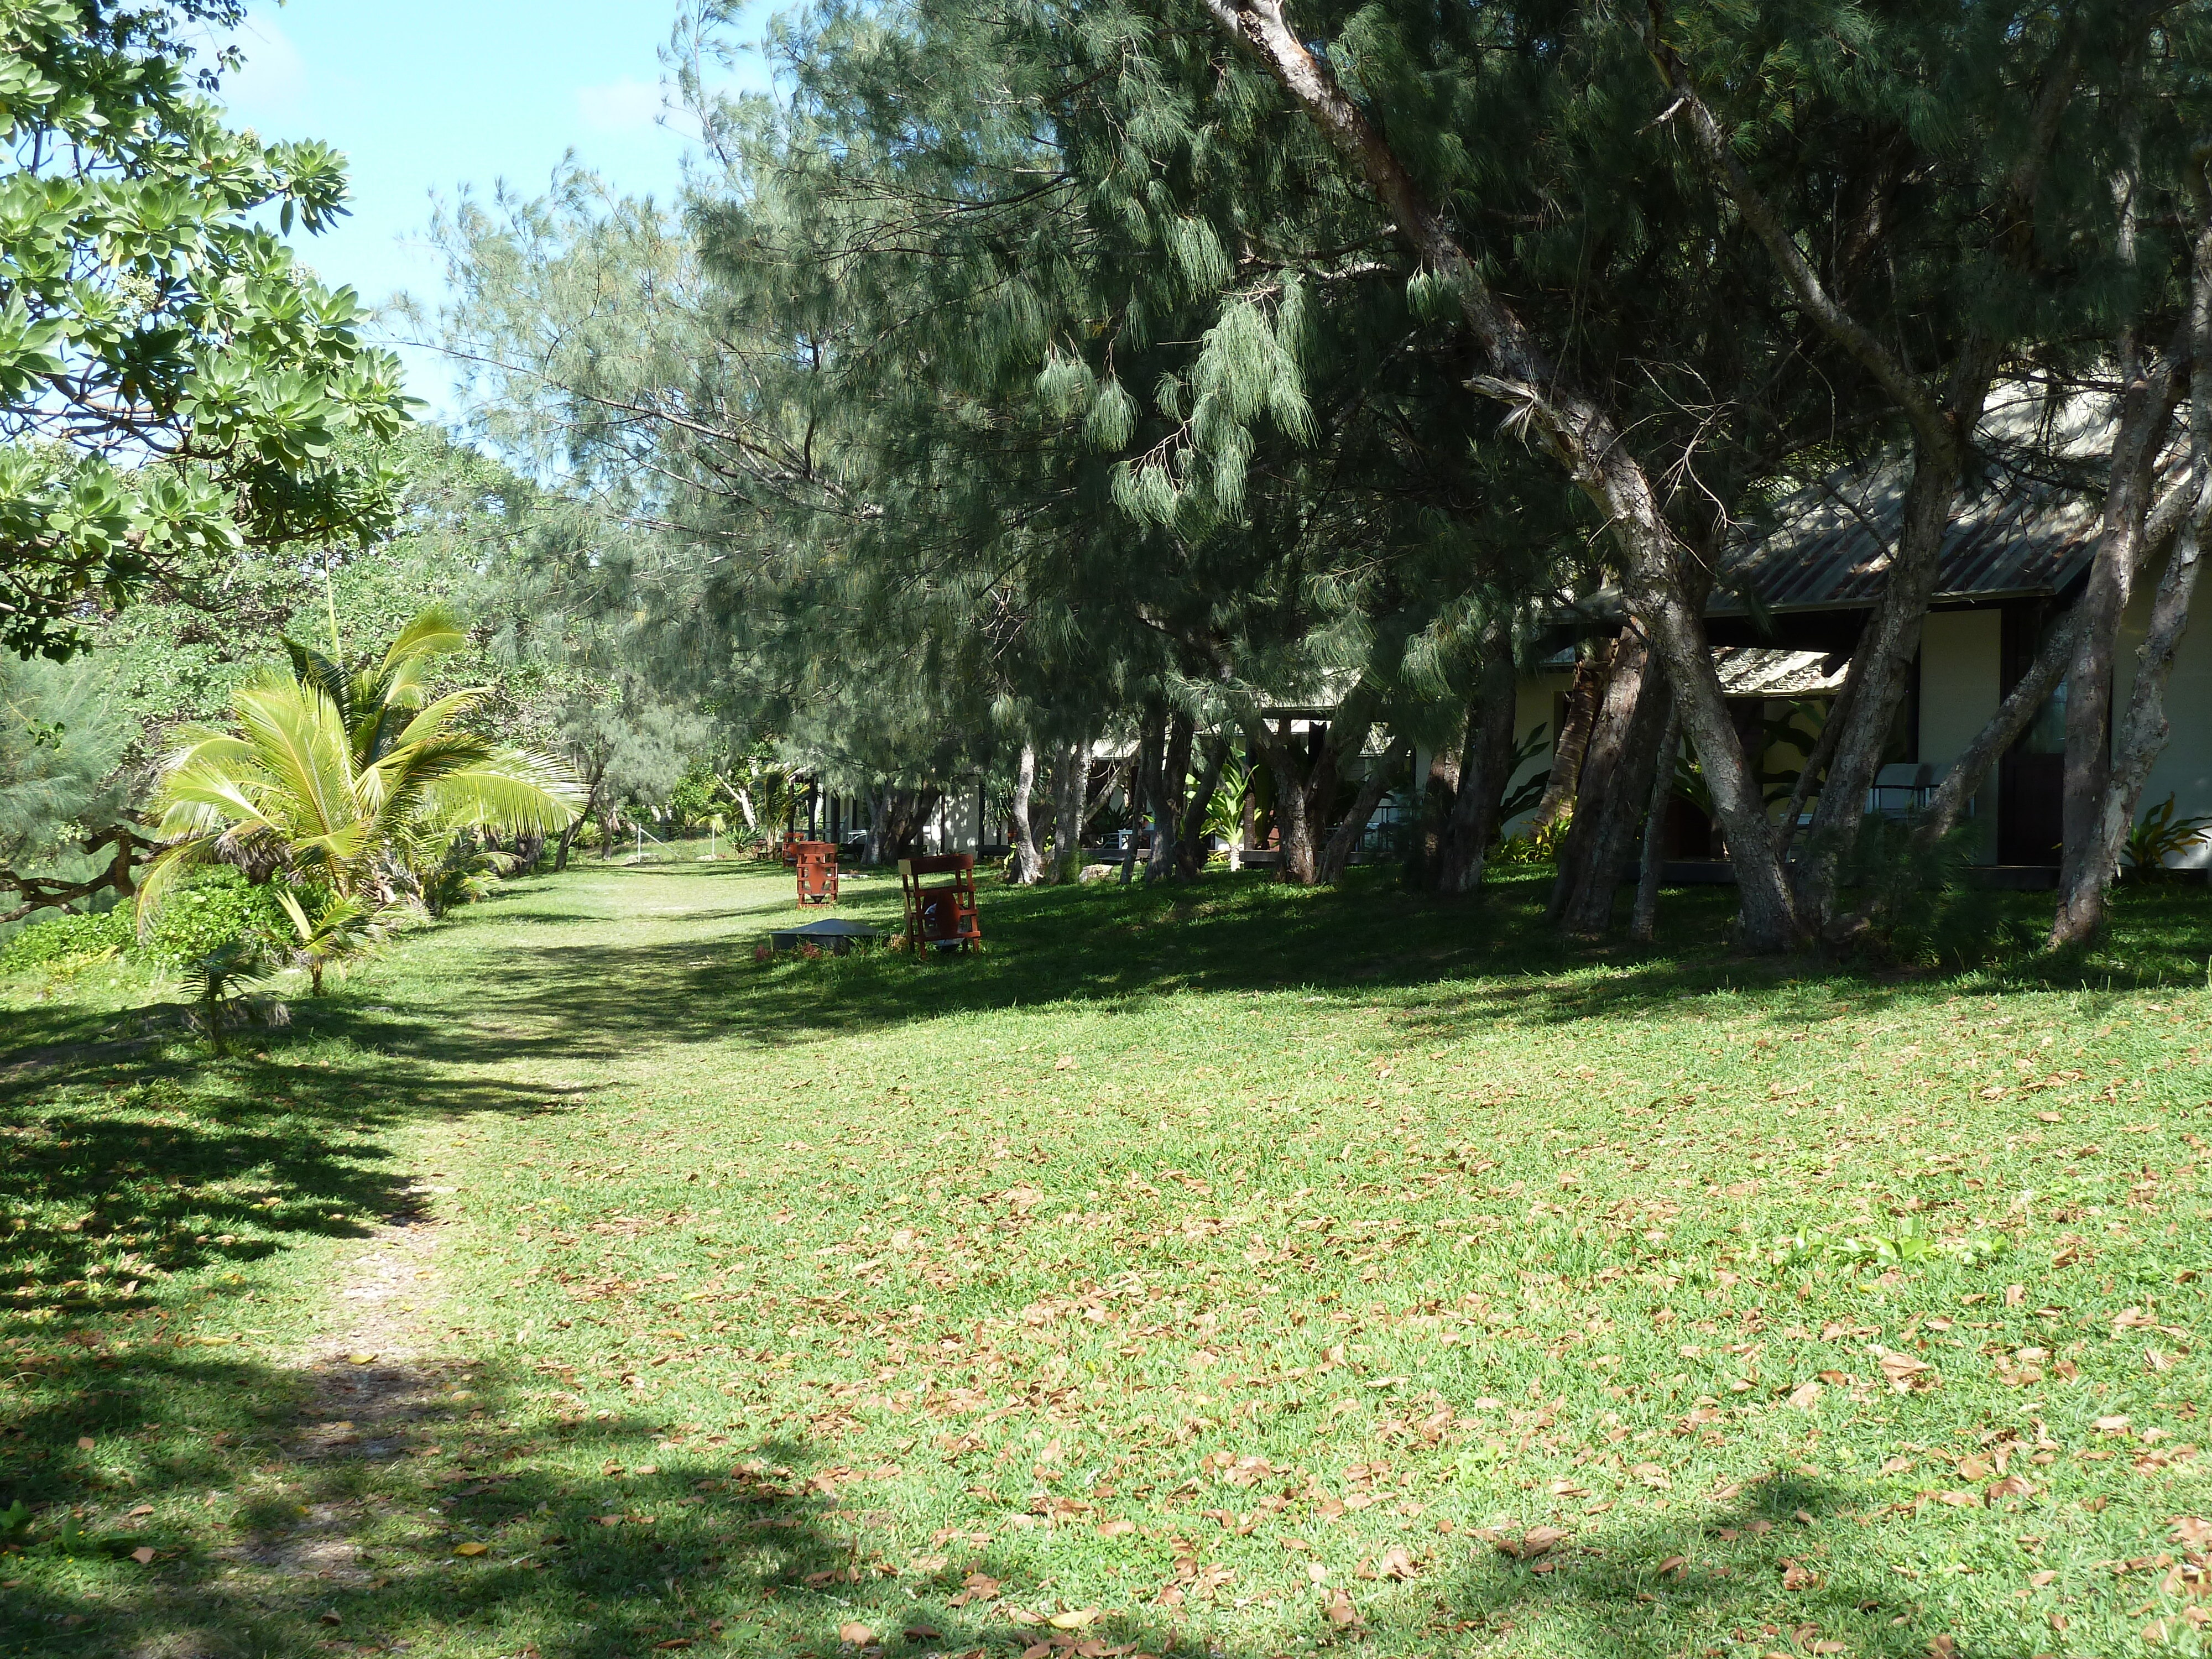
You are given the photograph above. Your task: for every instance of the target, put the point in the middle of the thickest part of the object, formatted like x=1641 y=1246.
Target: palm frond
x=311 y=667
x=434 y=631
x=511 y=791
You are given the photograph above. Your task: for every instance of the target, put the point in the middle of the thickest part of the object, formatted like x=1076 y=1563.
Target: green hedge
x=66 y=936
x=210 y=908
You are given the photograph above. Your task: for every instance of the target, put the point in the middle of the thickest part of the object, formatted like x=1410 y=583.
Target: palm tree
x=347 y=783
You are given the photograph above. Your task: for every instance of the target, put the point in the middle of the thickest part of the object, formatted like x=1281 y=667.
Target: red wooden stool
x=943 y=916
x=816 y=862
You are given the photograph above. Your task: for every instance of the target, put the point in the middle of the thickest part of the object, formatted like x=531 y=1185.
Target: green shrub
x=211 y=910
x=1540 y=846
x=68 y=937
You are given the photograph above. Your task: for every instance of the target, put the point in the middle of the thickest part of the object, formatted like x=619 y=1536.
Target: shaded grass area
x=1224 y=1268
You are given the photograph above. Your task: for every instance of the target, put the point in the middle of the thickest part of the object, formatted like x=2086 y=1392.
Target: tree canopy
x=175 y=390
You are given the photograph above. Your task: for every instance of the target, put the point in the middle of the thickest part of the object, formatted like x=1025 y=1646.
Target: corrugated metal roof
x=2030 y=529
x=1758 y=671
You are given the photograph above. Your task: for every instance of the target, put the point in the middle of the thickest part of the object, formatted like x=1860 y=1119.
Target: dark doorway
x=2031 y=778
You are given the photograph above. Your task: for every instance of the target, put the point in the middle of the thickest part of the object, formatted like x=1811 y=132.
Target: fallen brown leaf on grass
x=1393 y=1564
x=855 y=1634
x=1527 y=1545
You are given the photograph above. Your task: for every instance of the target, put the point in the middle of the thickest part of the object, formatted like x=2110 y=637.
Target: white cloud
x=625 y=104
x=270 y=90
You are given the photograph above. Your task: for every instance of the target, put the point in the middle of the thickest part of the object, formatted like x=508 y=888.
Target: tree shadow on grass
x=118 y=1172
x=622 y=1533
x=1446 y=965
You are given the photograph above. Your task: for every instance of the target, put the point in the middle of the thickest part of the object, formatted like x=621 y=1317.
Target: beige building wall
x=2185 y=768
x=1961 y=674
x=1961 y=665
x=1536 y=700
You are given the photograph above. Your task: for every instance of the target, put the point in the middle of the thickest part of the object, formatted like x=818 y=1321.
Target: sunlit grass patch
x=1228 y=1266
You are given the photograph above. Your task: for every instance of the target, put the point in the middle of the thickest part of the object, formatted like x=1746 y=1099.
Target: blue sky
x=428 y=95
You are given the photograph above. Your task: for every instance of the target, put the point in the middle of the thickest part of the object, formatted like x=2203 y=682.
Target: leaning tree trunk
x=2142 y=739
x=1028 y=867
x=2146 y=412
x=1151 y=735
x=1485 y=770
x=1611 y=799
x=1070 y=763
x=1585 y=693
x=1190 y=852
x=1643 y=920
x=1168 y=787
x=568 y=840
x=2093 y=855
x=1344 y=840
x=1576 y=431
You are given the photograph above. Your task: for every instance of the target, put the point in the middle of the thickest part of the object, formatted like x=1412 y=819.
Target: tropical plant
x=346 y=780
x=340 y=933
x=204 y=910
x=2159 y=836
x=467 y=872
x=1538 y=846
x=1225 y=810
x=222 y=973
x=1531 y=791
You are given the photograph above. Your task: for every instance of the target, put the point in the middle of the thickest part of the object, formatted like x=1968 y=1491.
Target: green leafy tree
x=174 y=389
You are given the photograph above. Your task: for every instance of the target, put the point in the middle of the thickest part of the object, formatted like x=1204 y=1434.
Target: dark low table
x=832 y=933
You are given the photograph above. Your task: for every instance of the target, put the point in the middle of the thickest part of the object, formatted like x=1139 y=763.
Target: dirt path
x=373 y=1388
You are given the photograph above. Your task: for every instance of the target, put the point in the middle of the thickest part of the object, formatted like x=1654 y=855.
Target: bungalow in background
x=1789 y=605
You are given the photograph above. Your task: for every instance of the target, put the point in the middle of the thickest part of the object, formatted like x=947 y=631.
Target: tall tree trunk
x=1942 y=428
x=1614 y=784
x=2092 y=853
x=2142 y=739
x=1344 y=840
x=1584 y=693
x=1071 y=760
x=1439 y=790
x=1151 y=735
x=1190 y=850
x=1643 y=920
x=2146 y=419
x=1484 y=769
x=1168 y=789
x=879 y=814
x=1578 y=433
x=1028 y=867
x=568 y=840
x=1885 y=658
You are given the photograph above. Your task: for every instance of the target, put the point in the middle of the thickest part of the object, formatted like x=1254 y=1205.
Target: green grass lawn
x=1225 y=1269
